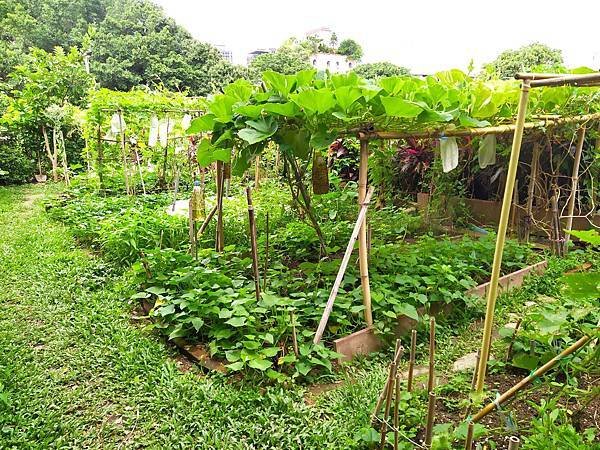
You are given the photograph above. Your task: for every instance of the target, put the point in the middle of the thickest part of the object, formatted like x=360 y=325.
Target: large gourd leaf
x=397 y=107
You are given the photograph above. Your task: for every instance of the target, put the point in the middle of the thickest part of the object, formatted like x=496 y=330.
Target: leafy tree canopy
x=524 y=59
x=293 y=56
x=373 y=71
x=351 y=49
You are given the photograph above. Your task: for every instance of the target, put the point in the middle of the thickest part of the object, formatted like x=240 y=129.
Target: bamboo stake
x=411 y=362
x=514 y=208
x=430 y=419
x=431 y=378
x=396 y=408
x=257 y=172
x=528 y=379
x=557 y=244
x=493 y=290
x=574 y=185
x=513 y=443
x=388 y=402
x=219 y=231
x=100 y=156
x=139 y=164
x=207 y=220
x=398 y=352
x=535 y=159
x=362 y=245
x=124 y=151
x=252 y=224
x=266 y=252
x=469 y=439
x=340 y=275
x=294 y=336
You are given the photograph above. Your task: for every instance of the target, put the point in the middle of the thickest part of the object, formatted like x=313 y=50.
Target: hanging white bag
x=487 y=151
x=185 y=122
x=117 y=123
x=153 y=133
x=448 y=153
x=165 y=126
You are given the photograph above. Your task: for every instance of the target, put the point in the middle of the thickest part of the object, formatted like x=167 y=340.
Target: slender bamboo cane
x=294 y=336
x=431 y=378
x=209 y=217
x=411 y=361
x=469 y=439
x=266 y=253
x=363 y=176
x=535 y=159
x=340 y=275
x=124 y=151
x=220 y=244
x=493 y=290
x=513 y=443
x=388 y=403
x=574 y=185
x=252 y=224
x=430 y=419
x=514 y=209
x=257 y=172
x=528 y=379
x=398 y=352
x=396 y=409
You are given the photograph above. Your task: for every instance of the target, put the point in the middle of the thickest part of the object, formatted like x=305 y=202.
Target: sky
x=424 y=35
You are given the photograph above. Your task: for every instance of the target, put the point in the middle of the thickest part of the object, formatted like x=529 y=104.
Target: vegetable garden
x=235 y=221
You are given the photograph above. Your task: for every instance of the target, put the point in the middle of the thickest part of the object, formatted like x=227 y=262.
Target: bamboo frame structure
x=574 y=185
x=431 y=377
x=342 y=270
x=528 y=379
x=535 y=159
x=362 y=243
x=501 y=236
x=124 y=151
x=411 y=361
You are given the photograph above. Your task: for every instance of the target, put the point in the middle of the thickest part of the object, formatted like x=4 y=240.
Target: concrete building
x=331 y=61
x=225 y=52
x=257 y=52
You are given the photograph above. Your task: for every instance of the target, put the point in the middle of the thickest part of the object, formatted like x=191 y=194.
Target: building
x=225 y=52
x=258 y=52
x=331 y=61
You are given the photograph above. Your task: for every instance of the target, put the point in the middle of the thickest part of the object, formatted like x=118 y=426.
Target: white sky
x=425 y=36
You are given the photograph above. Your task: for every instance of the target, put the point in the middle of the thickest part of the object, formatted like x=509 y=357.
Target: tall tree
x=351 y=49
x=373 y=71
x=524 y=59
x=288 y=59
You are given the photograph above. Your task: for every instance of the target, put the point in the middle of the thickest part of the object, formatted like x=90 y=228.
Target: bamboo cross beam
x=528 y=379
x=342 y=270
x=588 y=79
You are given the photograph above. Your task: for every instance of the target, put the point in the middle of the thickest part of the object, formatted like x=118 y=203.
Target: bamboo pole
x=257 y=172
x=388 y=402
x=398 y=352
x=514 y=209
x=513 y=443
x=124 y=151
x=219 y=238
x=209 y=217
x=430 y=419
x=362 y=242
x=574 y=185
x=266 y=252
x=535 y=159
x=557 y=244
x=589 y=79
x=462 y=132
x=340 y=275
x=528 y=379
x=411 y=362
x=396 y=409
x=469 y=439
x=139 y=164
x=431 y=378
x=294 y=335
x=252 y=225
x=493 y=290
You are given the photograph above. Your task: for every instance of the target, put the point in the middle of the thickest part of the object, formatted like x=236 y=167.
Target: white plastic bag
x=487 y=151
x=449 y=153
x=153 y=134
x=117 y=123
x=165 y=126
x=185 y=122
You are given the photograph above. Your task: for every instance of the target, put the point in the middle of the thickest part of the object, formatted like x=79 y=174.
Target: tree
x=351 y=49
x=223 y=73
x=373 y=71
x=288 y=59
x=524 y=59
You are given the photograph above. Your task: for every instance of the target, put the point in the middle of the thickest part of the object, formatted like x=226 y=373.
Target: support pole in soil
x=399 y=351
x=505 y=212
x=469 y=439
x=219 y=239
x=535 y=159
x=431 y=378
x=513 y=443
x=574 y=185
x=557 y=234
x=528 y=379
x=430 y=419
x=124 y=151
x=252 y=224
x=340 y=276
x=257 y=172
x=411 y=361
x=266 y=252
x=363 y=176
x=391 y=383
x=294 y=336
x=515 y=209
x=100 y=156
x=396 y=408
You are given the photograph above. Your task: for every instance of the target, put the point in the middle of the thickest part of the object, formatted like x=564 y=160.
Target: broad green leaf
x=258 y=130
x=322 y=139
x=397 y=107
x=251 y=111
x=206 y=153
x=346 y=96
x=408 y=310
x=581 y=286
x=392 y=85
x=177 y=332
x=201 y=124
x=314 y=101
x=222 y=107
x=269 y=352
x=303 y=368
x=239 y=365
x=225 y=313
x=525 y=361
x=236 y=321
x=197 y=323
x=590 y=236
x=166 y=310
x=469 y=122
x=240 y=89
x=287 y=359
x=288 y=109
x=280 y=83
x=156 y=290
x=140 y=295
x=260 y=364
